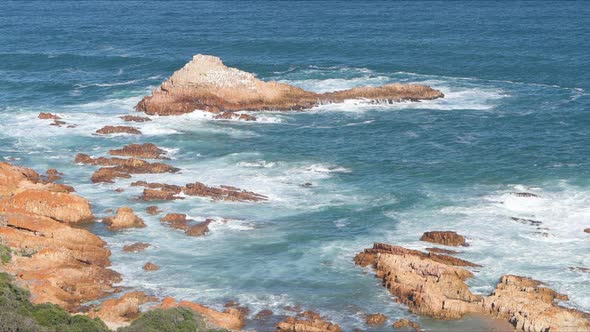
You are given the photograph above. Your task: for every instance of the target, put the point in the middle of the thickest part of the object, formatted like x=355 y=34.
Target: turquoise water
x=515 y=118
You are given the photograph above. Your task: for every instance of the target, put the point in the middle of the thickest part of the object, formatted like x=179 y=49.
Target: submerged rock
x=587 y=230
x=146 y=150
x=446 y=238
x=136 y=247
x=375 y=319
x=117 y=130
x=135 y=118
x=149 y=266
x=125 y=218
x=206 y=84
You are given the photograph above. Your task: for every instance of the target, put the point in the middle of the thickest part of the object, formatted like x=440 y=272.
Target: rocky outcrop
x=118 y=130
x=59 y=264
x=121 y=311
x=307 y=324
x=405 y=323
x=161 y=191
x=125 y=218
x=529 y=306
x=225 y=193
x=122 y=168
x=146 y=150
x=206 y=84
x=432 y=285
x=375 y=319
x=134 y=118
x=149 y=266
x=189 y=226
x=231 y=318
x=446 y=238
x=152 y=210
x=49 y=116
x=136 y=247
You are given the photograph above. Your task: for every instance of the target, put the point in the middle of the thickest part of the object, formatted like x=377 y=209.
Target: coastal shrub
x=17 y=313
x=170 y=320
x=4 y=254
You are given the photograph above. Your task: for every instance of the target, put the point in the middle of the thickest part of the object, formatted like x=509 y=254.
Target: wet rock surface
x=122 y=168
x=146 y=150
x=118 y=130
x=136 y=247
x=135 y=118
x=189 y=226
x=125 y=218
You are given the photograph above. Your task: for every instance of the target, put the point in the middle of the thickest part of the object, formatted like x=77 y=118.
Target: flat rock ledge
x=206 y=84
x=434 y=285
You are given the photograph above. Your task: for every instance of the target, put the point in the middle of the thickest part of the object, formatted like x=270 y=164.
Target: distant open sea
x=516 y=118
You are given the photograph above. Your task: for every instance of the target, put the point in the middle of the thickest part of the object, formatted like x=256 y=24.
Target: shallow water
x=514 y=119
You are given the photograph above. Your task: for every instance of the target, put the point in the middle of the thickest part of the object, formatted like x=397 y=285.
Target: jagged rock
x=118 y=129
x=149 y=266
x=442 y=251
x=135 y=118
x=152 y=210
x=292 y=324
x=48 y=116
x=121 y=311
x=226 y=193
x=529 y=306
x=229 y=319
x=179 y=221
x=146 y=150
x=122 y=168
x=427 y=286
x=375 y=319
x=136 y=247
x=158 y=195
x=446 y=238
x=125 y=218
x=206 y=84
x=232 y=115
x=404 y=322
x=263 y=314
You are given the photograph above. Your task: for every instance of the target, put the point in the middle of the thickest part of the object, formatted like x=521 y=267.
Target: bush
x=4 y=254
x=170 y=320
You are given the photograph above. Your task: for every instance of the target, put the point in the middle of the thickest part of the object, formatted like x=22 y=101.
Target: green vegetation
x=4 y=254
x=170 y=320
x=17 y=313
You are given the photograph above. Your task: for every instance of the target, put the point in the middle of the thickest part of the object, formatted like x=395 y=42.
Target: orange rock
x=179 y=221
x=529 y=306
x=205 y=83
x=231 y=319
x=292 y=324
x=136 y=247
x=158 y=195
x=53 y=174
x=149 y=266
x=152 y=210
x=403 y=323
x=117 y=130
x=426 y=286
x=125 y=218
x=121 y=311
x=446 y=238
x=442 y=251
x=60 y=206
x=47 y=116
x=146 y=150
x=375 y=319
x=122 y=168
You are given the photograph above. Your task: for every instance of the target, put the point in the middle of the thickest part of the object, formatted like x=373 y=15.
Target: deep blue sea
x=516 y=118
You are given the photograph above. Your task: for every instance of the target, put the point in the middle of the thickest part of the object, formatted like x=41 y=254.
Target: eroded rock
x=136 y=247
x=226 y=193
x=375 y=319
x=189 y=226
x=149 y=266
x=135 y=118
x=152 y=210
x=206 y=84
x=446 y=238
x=292 y=324
x=146 y=150
x=122 y=168
x=49 y=116
x=118 y=130
x=125 y=218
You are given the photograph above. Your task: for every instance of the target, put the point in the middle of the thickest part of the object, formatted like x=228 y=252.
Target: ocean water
x=515 y=119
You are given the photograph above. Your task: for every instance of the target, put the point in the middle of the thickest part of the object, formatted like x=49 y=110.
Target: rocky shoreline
x=65 y=265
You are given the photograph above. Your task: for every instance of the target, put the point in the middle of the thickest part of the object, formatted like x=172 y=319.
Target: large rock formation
x=59 y=264
x=206 y=84
x=433 y=285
